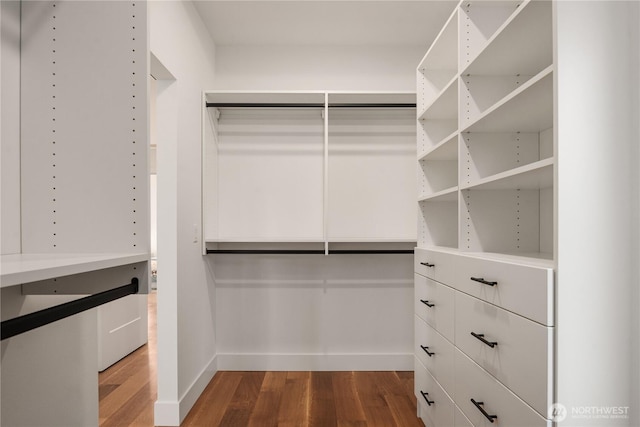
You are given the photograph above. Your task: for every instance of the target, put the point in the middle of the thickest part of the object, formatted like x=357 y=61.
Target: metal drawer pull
x=425 y=395
x=427 y=303
x=481 y=338
x=426 y=350
x=481 y=409
x=426 y=264
x=484 y=282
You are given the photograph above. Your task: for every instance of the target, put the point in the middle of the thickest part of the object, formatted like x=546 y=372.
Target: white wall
x=350 y=68
x=314 y=312
x=597 y=324
x=186 y=340
x=10 y=127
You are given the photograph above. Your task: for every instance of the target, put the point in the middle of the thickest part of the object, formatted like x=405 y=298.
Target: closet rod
x=372 y=105
x=21 y=324
x=262 y=105
x=308 y=252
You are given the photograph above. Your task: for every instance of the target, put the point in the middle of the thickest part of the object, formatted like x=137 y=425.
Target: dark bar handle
x=484 y=282
x=481 y=409
x=426 y=397
x=481 y=338
x=426 y=264
x=427 y=303
x=426 y=350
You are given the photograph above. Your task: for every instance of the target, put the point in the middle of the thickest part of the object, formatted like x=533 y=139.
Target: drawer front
x=459 y=419
x=521 y=354
x=523 y=289
x=435 y=352
x=472 y=382
x=436 y=265
x=435 y=407
x=434 y=304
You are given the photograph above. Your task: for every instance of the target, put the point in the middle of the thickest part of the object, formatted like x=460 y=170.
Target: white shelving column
x=84 y=190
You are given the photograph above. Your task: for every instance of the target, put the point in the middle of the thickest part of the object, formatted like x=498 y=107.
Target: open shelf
x=440 y=64
x=532 y=176
x=527 y=109
x=479 y=21
x=521 y=45
x=438 y=221
x=446 y=195
x=445 y=105
x=447 y=149
x=25 y=268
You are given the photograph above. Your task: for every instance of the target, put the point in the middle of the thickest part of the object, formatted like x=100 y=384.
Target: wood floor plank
x=265 y=410
x=349 y=410
x=322 y=411
x=210 y=408
x=374 y=405
x=294 y=406
x=244 y=399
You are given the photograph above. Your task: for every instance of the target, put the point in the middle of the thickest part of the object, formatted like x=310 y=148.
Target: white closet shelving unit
x=484 y=262
x=308 y=171
x=527 y=118
x=84 y=214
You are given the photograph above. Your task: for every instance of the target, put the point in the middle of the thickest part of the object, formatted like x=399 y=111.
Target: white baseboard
x=315 y=362
x=172 y=413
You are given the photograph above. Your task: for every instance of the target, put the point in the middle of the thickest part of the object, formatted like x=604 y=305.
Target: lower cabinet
x=483 y=353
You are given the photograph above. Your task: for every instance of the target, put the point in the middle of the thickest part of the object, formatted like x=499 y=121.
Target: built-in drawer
x=435 y=407
x=435 y=352
x=523 y=289
x=459 y=418
x=515 y=350
x=481 y=398
x=434 y=304
x=436 y=265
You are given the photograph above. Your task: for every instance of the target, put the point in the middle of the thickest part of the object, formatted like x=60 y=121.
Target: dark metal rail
x=21 y=324
x=308 y=252
x=303 y=105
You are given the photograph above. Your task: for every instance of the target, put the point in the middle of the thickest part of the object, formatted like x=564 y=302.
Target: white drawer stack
x=483 y=340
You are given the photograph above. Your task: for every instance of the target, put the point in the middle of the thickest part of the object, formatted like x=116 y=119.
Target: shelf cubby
x=509 y=221
x=438 y=221
x=438 y=168
x=440 y=64
x=479 y=21
x=521 y=45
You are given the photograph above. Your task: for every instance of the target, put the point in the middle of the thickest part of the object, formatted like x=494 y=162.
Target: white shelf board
x=266 y=240
x=445 y=105
x=529 y=27
x=533 y=176
x=446 y=195
x=265 y=97
x=527 y=109
x=447 y=149
x=372 y=97
x=442 y=54
x=534 y=259
x=338 y=239
x=17 y=269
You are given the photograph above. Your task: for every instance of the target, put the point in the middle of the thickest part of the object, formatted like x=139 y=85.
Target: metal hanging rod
x=263 y=105
x=372 y=105
x=308 y=252
x=302 y=105
x=21 y=324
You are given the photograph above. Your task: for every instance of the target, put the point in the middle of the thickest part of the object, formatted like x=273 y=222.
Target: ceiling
x=333 y=22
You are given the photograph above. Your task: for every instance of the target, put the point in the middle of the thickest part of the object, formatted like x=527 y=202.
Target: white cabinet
x=485 y=165
x=526 y=163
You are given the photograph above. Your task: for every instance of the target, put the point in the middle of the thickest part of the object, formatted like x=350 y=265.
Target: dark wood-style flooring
x=261 y=399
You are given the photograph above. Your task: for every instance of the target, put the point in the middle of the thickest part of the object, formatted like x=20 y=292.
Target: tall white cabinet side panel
x=84 y=127
x=596 y=135
x=10 y=127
